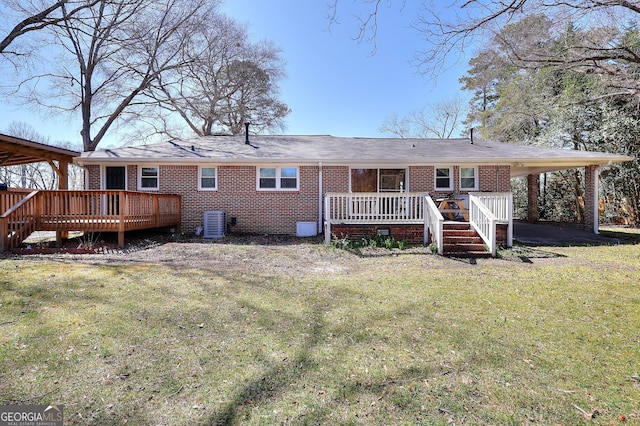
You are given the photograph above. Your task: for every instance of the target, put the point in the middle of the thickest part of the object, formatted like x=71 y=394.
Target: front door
x=114 y=178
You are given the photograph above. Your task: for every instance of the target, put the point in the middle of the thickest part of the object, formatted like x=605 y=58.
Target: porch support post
x=591 y=213
x=63 y=183
x=533 y=194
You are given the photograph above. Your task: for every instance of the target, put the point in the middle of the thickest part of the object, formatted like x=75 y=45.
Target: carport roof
x=15 y=151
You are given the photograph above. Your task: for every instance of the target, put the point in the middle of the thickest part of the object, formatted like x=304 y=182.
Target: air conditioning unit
x=215 y=224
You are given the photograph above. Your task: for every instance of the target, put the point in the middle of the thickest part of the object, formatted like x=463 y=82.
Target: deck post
x=4 y=228
x=123 y=203
x=63 y=183
x=156 y=211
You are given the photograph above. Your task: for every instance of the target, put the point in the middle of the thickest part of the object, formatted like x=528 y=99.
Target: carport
x=541 y=160
x=16 y=151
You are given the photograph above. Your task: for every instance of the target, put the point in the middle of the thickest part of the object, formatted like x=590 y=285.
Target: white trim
x=435 y=178
x=200 y=187
x=278 y=178
x=157 y=177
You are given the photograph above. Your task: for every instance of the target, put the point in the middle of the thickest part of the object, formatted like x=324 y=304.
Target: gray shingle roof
x=351 y=151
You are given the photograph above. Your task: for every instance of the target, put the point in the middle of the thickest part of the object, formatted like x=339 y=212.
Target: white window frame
x=206 y=188
x=435 y=178
x=475 y=179
x=278 y=178
x=140 y=177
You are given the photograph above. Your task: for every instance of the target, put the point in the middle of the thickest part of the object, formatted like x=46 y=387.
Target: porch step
x=460 y=240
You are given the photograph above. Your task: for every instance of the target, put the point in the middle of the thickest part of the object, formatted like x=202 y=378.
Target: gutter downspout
x=320 y=196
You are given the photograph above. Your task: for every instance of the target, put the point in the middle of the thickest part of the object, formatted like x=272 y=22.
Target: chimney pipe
x=246 y=133
x=472 y=136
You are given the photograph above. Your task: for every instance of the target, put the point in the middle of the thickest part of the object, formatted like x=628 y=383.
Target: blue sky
x=334 y=85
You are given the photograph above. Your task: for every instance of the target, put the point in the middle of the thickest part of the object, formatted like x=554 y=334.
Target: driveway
x=551 y=235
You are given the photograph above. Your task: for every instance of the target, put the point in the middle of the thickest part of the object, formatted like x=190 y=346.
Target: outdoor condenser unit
x=215 y=224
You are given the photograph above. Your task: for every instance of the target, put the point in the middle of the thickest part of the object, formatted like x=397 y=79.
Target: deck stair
x=460 y=240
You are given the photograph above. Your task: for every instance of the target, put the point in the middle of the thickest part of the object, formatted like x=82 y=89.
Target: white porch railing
x=349 y=208
x=486 y=210
x=434 y=222
x=373 y=207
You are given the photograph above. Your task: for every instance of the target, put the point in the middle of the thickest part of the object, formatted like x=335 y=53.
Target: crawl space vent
x=215 y=224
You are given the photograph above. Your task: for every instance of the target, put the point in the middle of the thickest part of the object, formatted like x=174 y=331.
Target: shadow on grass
x=526 y=254
x=625 y=236
x=273 y=382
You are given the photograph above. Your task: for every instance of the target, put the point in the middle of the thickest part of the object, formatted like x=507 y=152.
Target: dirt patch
x=285 y=254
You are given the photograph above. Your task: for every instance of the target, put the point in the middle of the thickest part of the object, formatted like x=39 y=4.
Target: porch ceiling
x=15 y=151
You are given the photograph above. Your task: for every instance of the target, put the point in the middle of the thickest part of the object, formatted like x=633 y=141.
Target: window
x=378 y=180
x=267 y=178
x=289 y=178
x=443 y=179
x=468 y=178
x=208 y=179
x=148 y=178
x=278 y=178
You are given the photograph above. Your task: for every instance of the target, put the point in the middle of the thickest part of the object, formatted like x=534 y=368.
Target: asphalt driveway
x=550 y=235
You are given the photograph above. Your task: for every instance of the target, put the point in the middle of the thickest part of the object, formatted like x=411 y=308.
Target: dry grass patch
x=306 y=334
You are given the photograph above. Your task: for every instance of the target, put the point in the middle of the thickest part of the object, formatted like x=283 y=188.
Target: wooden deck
x=87 y=211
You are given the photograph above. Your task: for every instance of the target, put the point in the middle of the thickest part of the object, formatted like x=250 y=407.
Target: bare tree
x=36 y=17
x=109 y=53
x=469 y=23
x=439 y=120
x=227 y=82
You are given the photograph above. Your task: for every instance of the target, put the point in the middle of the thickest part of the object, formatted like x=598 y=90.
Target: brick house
x=336 y=185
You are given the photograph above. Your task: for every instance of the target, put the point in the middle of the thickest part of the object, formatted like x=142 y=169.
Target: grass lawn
x=309 y=334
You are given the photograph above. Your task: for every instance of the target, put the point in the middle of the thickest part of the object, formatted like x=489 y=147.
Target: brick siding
x=277 y=212
x=267 y=212
x=411 y=233
x=590 y=197
x=93 y=177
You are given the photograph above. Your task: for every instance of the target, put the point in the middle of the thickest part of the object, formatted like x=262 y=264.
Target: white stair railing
x=486 y=210
x=433 y=223
x=484 y=222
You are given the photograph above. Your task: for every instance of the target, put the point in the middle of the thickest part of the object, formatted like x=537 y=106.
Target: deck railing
x=11 y=197
x=90 y=211
x=18 y=222
x=433 y=223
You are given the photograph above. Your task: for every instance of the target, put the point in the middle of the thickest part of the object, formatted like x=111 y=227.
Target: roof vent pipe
x=246 y=133
x=471 y=136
